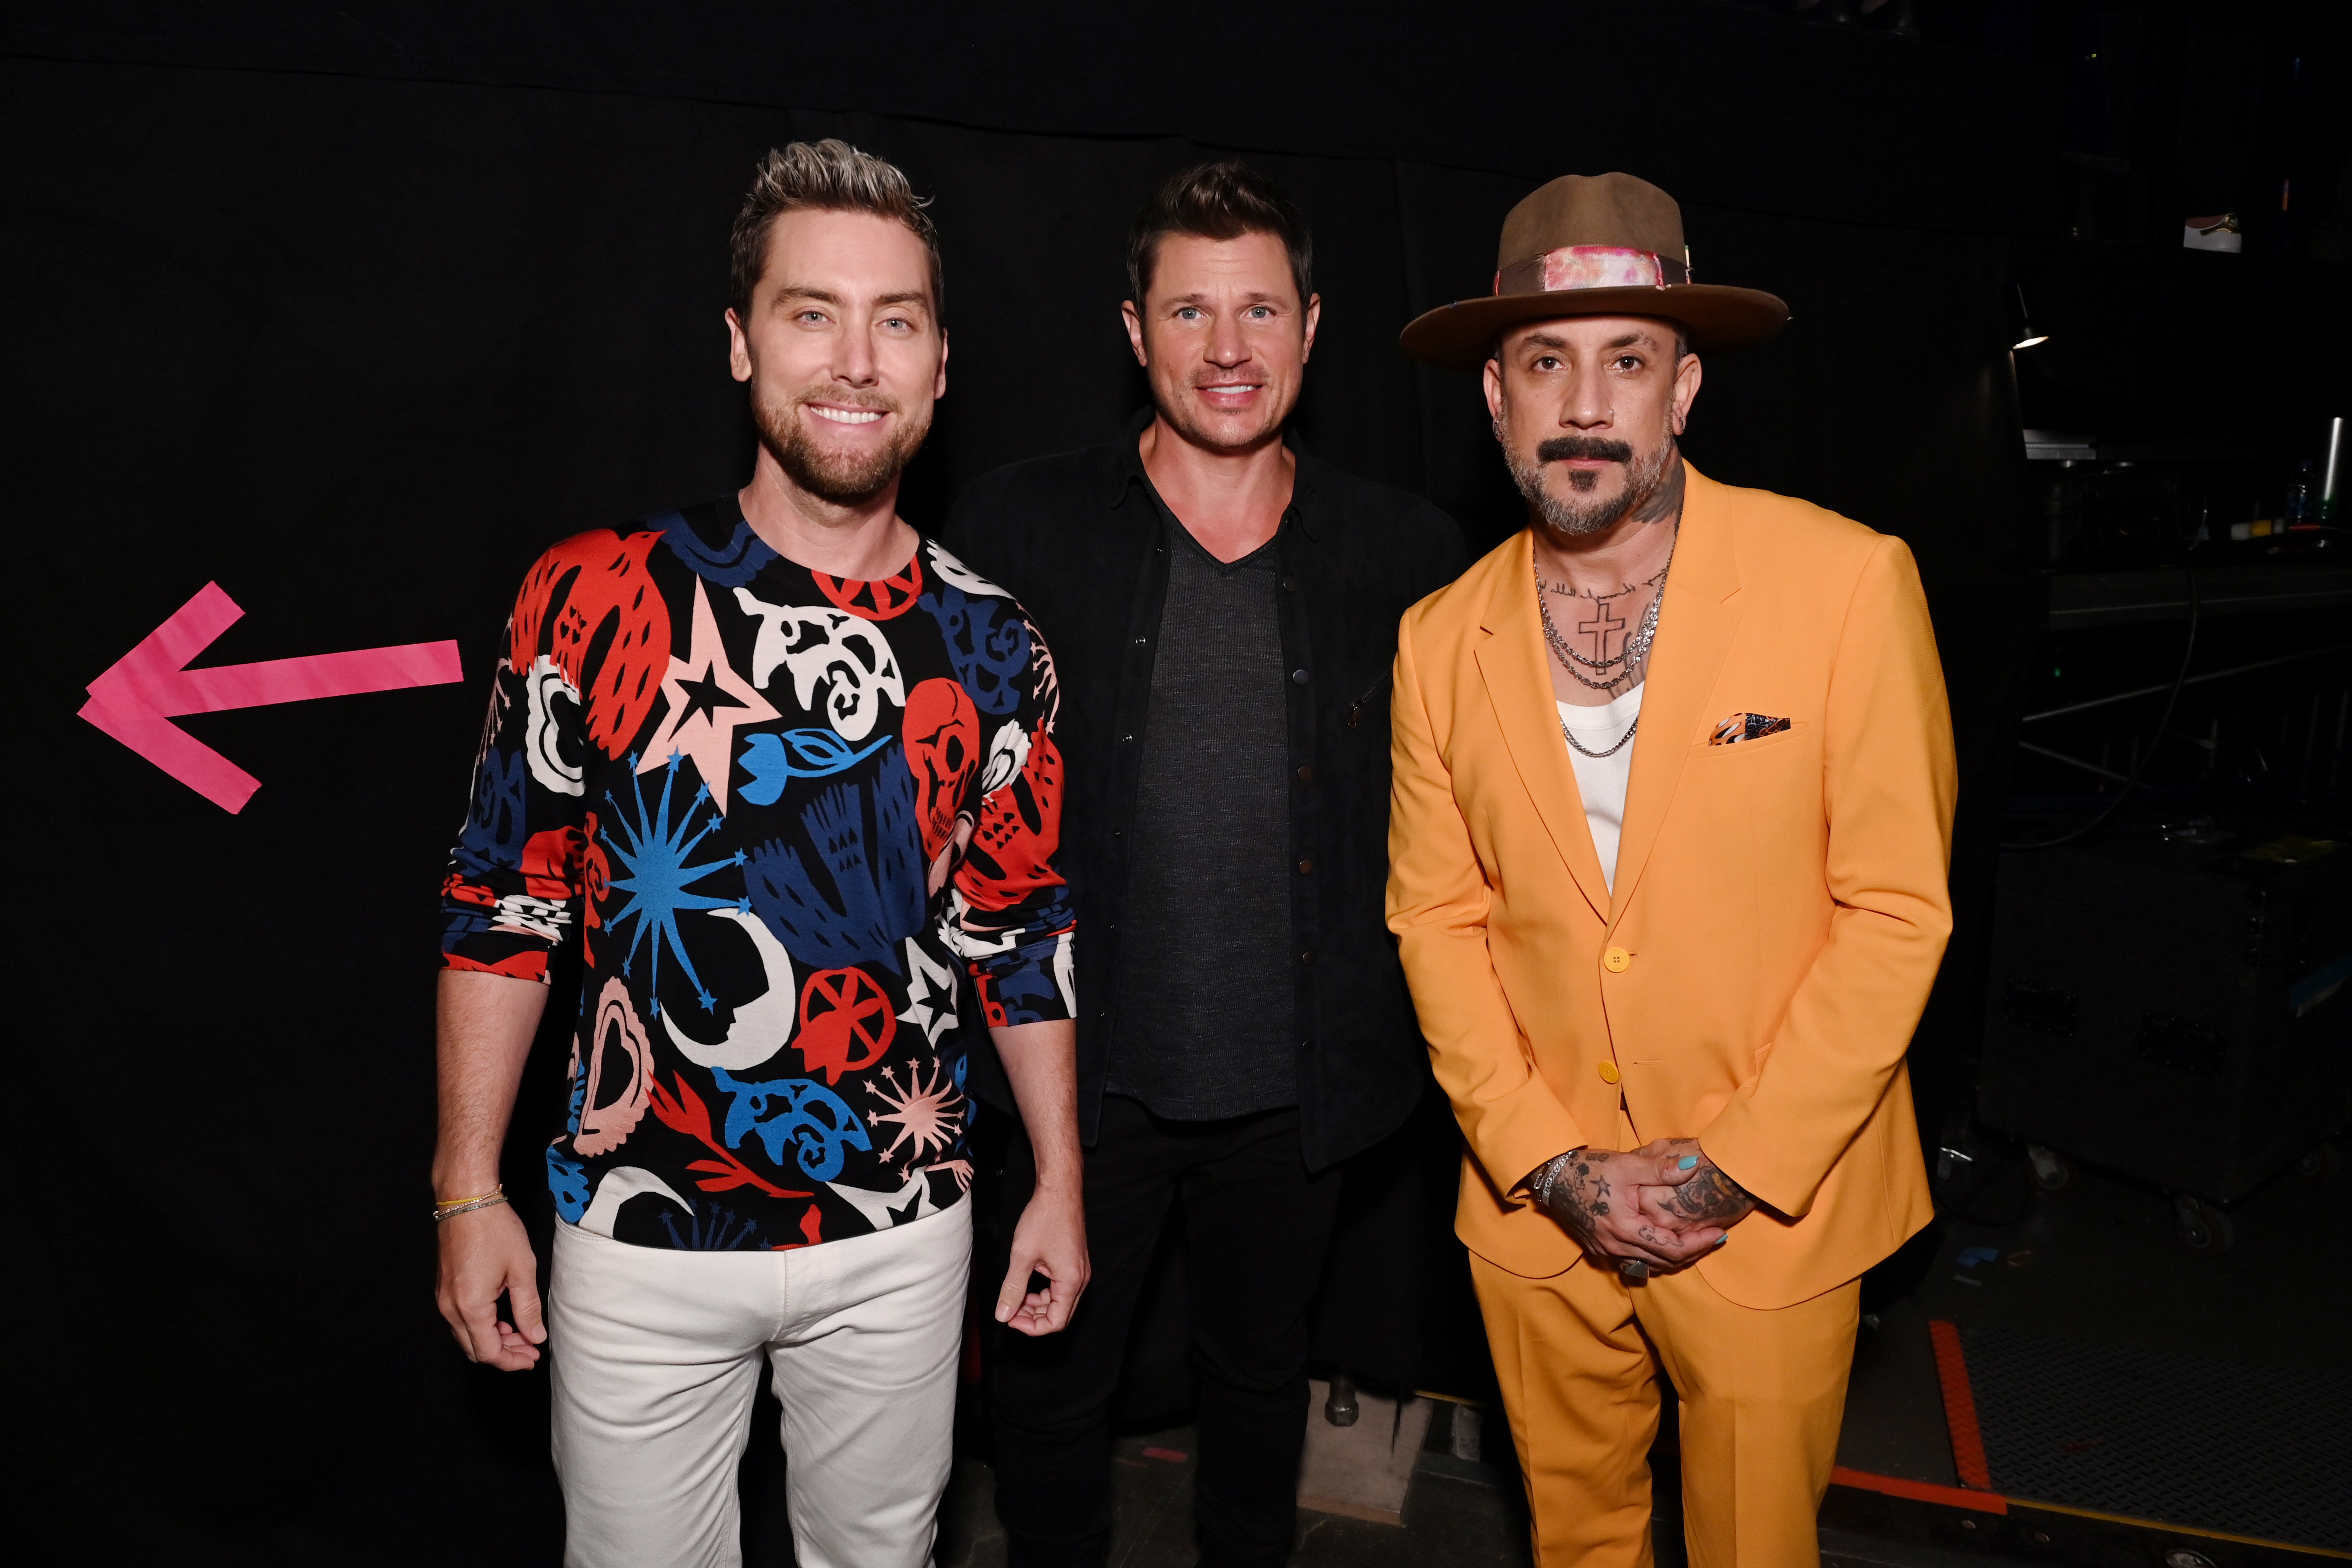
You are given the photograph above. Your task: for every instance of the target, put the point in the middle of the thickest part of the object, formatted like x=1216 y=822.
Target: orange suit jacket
x=1780 y=904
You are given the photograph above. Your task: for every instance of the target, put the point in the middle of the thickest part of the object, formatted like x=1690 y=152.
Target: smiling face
x=842 y=350
x=1587 y=409
x=1224 y=336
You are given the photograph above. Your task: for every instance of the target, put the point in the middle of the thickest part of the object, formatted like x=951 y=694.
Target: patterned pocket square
x=1746 y=727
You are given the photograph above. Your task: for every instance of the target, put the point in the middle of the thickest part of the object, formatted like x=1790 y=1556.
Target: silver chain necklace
x=1637 y=647
x=1569 y=736
x=1635 y=655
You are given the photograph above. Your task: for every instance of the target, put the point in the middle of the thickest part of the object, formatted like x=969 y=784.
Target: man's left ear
x=1686 y=392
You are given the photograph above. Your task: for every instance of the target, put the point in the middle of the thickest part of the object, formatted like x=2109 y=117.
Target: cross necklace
x=1603 y=621
x=1612 y=671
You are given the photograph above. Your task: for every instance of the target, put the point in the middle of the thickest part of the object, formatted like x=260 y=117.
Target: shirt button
x=1616 y=960
x=1290 y=585
x=1306 y=773
x=1297 y=677
x=1308 y=957
x=1306 y=868
x=1609 y=1072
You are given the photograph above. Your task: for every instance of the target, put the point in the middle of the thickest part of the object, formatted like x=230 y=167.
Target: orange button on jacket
x=1780 y=903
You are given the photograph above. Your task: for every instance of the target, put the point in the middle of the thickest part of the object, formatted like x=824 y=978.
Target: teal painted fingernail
x=1721 y=1239
x=1687 y=1163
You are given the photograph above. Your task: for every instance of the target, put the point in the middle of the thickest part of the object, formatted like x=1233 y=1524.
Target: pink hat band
x=1592 y=267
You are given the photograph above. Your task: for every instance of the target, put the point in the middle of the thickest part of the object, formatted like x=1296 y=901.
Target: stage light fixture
x=2027 y=334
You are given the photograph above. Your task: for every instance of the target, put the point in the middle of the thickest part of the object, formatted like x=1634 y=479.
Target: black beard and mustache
x=842 y=478
x=1576 y=517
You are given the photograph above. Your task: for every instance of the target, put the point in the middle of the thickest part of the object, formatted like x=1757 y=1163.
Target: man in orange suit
x=1667 y=981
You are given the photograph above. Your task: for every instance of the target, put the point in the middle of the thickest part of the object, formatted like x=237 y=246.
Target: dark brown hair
x=832 y=176
x=1221 y=200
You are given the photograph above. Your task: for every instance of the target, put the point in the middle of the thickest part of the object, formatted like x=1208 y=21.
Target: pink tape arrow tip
x=141 y=693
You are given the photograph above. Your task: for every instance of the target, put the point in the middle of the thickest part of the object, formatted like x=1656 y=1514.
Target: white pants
x=657 y=1357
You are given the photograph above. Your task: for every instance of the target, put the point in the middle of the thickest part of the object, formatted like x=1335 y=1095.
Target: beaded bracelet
x=466 y=1205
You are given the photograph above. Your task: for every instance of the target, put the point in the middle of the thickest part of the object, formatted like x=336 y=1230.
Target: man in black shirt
x=1224 y=609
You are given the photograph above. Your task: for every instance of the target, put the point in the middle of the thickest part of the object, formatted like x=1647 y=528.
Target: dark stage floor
x=2099 y=1263
x=1450 y=1522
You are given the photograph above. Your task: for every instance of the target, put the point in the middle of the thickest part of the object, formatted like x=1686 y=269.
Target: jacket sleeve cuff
x=1768 y=1169
x=1514 y=1135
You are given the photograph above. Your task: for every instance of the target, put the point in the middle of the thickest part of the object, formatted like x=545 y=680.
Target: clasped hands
x=1662 y=1206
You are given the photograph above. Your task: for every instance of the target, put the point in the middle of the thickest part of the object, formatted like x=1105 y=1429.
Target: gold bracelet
x=478 y=1197
x=487 y=1201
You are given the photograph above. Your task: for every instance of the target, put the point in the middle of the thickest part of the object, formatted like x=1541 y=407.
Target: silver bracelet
x=487 y=1201
x=1547 y=1177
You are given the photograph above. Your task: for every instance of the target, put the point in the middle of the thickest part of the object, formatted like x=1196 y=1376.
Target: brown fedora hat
x=1594 y=245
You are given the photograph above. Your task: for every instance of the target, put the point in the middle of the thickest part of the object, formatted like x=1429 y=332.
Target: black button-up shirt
x=1078 y=539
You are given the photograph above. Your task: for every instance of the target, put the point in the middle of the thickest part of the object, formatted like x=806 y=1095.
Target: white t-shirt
x=1602 y=780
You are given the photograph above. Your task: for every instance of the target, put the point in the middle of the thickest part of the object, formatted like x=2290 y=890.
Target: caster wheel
x=2203 y=1227
x=2319 y=1163
x=2052 y=1170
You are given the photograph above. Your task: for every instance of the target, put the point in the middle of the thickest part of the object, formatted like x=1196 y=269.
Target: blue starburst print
x=656 y=855
x=780 y=918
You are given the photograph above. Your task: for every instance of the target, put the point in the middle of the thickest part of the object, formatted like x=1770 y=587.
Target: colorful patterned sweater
x=784 y=814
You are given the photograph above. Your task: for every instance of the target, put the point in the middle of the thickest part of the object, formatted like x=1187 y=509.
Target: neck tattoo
x=1623 y=670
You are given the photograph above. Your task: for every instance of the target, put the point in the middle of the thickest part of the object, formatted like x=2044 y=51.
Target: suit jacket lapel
x=1695 y=629
x=1517 y=672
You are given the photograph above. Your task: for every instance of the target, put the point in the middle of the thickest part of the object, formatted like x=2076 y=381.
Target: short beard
x=1578 y=519
x=842 y=479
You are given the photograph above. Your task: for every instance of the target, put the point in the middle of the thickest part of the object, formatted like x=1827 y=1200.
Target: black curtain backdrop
x=353 y=312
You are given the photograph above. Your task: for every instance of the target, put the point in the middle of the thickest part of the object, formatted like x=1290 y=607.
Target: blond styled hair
x=830 y=175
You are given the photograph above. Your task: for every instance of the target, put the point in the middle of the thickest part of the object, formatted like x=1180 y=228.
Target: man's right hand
x=1590 y=1194
x=483 y=1253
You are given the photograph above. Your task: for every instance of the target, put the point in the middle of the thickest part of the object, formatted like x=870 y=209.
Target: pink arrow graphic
x=140 y=695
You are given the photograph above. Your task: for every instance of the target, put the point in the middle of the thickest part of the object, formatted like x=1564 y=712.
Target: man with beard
x=1667 y=983
x=786 y=774
x=1224 y=607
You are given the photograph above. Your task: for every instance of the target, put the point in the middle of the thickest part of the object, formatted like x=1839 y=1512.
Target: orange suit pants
x=1761 y=1395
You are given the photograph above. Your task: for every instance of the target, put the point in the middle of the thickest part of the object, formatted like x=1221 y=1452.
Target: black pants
x=1258 y=1225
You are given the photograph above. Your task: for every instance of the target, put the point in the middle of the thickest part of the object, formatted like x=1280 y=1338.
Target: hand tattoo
x=1710 y=1198
x=1573 y=1190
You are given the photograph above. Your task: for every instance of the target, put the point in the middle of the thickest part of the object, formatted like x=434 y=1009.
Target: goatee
x=1577 y=515
x=842 y=478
